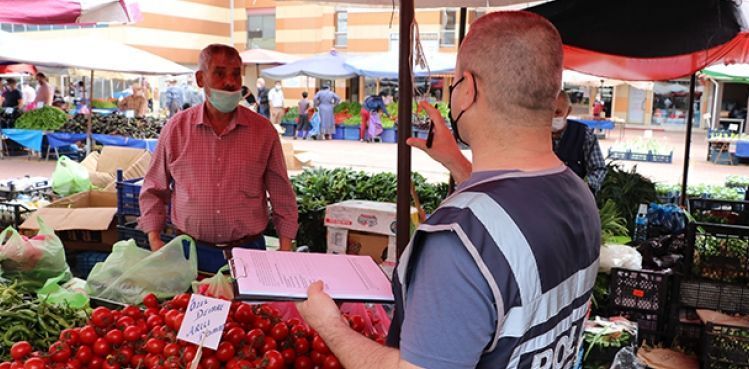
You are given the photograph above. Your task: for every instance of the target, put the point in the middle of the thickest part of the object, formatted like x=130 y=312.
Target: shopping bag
x=131 y=272
x=70 y=177
x=32 y=260
x=219 y=286
x=54 y=293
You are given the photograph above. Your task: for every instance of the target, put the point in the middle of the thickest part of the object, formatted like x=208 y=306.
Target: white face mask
x=558 y=124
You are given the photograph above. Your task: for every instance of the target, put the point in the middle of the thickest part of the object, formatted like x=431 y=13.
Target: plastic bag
x=34 y=259
x=668 y=219
x=131 y=272
x=619 y=256
x=70 y=177
x=627 y=359
x=219 y=286
x=53 y=293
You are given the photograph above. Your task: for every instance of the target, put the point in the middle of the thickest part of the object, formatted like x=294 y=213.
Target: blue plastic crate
x=636 y=156
x=389 y=135
x=656 y=158
x=618 y=155
x=86 y=260
x=288 y=128
x=351 y=133
x=128 y=193
x=339 y=132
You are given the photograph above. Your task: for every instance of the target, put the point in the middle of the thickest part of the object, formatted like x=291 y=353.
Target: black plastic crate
x=725 y=347
x=640 y=290
x=688 y=331
x=129 y=231
x=720 y=211
x=718 y=252
x=714 y=296
x=86 y=260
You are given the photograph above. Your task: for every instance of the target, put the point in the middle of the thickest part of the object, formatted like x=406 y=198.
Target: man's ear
x=199 y=78
x=569 y=110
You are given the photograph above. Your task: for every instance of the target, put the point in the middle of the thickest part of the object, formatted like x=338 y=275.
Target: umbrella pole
x=90 y=115
x=405 y=95
x=688 y=141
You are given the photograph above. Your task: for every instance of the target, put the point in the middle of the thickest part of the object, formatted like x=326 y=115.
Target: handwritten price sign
x=204 y=321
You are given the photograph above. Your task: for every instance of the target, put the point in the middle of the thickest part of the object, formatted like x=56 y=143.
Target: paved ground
x=383 y=157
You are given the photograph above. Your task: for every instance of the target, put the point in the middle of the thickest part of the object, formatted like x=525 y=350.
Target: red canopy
x=17 y=68
x=68 y=11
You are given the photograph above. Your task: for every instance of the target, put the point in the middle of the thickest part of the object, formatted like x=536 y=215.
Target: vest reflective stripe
x=520 y=318
x=508 y=237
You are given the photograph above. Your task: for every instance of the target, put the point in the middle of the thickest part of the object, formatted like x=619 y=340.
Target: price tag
x=204 y=321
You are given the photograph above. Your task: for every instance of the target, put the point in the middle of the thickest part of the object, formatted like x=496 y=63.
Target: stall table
x=599 y=126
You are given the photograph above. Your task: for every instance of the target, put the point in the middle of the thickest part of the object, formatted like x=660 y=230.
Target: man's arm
x=444 y=148
x=282 y=197
x=155 y=194
x=595 y=163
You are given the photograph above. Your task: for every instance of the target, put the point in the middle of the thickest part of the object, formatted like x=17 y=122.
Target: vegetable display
x=627 y=189
x=104 y=104
x=702 y=190
x=643 y=146
x=254 y=336
x=23 y=318
x=741 y=182
x=46 y=118
x=115 y=124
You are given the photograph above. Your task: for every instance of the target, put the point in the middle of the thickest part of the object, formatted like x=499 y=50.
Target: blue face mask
x=224 y=101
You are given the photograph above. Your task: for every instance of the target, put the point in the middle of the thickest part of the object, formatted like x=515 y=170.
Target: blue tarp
x=596 y=124
x=60 y=139
x=29 y=138
x=109 y=140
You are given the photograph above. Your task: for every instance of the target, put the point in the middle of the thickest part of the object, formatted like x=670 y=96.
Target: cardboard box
x=365 y=216
x=84 y=221
x=294 y=160
x=363 y=227
x=102 y=167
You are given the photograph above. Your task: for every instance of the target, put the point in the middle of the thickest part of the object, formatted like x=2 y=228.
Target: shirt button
x=218 y=211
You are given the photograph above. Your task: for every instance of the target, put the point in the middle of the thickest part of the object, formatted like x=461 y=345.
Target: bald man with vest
x=501 y=274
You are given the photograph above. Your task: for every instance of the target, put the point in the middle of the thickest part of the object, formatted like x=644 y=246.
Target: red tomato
x=280 y=331
x=357 y=323
x=132 y=311
x=5 y=365
x=246 y=352
x=274 y=360
x=151 y=311
x=154 y=321
x=73 y=364
x=244 y=314
x=155 y=346
x=115 y=337
x=256 y=338
x=189 y=354
x=301 y=346
x=331 y=362
x=131 y=333
x=171 y=349
x=110 y=363
x=95 y=363
x=150 y=301
x=319 y=345
x=235 y=335
x=225 y=351
x=181 y=301
x=293 y=321
x=59 y=352
x=303 y=362
x=318 y=358
x=178 y=321
x=34 y=363
x=124 y=322
x=124 y=355
x=20 y=350
x=70 y=336
x=264 y=325
x=88 y=335
x=101 y=347
x=102 y=317
x=16 y=364
x=299 y=331
x=289 y=356
x=84 y=354
x=137 y=361
x=269 y=344
x=152 y=361
x=210 y=363
x=169 y=318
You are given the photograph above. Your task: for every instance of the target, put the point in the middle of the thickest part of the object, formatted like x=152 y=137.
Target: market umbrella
x=325 y=66
x=69 y=11
x=15 y=68
x=385 y=65
x=264 y=56
x=729 y=73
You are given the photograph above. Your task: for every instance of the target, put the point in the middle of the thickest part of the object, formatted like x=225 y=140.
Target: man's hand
x=320 y=311
x=285 y=244
x=154 y=240
x=444 y=148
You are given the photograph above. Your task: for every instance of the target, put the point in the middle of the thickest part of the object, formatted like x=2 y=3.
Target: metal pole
x=461 y=36
x=688 y=141
x=405 y=96
x=89 y=125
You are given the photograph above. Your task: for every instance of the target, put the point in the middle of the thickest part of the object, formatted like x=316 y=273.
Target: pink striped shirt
x=219 y=186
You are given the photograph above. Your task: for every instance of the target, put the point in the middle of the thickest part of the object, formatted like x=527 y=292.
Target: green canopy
x=736 y=73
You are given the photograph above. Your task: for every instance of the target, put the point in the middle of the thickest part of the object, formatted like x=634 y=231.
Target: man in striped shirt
x=500 y=276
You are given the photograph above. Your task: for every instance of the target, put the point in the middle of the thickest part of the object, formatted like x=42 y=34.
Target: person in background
x=372 y=104
x=325 y=101
x=29 y=93
x=276 y=99
x=219 y=166
x=303 y=123
x=193 y=95
x=173 y=98
x=136 y=102
x=12 y=97
x=263 y=106
x=501 y=274
x=248 y=99
x=148 y=93
x=577 y=145
x=44 y=91
x=599 y=108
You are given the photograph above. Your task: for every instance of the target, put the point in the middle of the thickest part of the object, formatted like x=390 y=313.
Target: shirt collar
x=239 y=119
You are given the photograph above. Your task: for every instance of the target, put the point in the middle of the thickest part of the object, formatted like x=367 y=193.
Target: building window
x=448 y=26
x=261 y=31
x=341 y=29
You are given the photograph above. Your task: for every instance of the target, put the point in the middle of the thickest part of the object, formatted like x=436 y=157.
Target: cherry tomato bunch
x=254 y=337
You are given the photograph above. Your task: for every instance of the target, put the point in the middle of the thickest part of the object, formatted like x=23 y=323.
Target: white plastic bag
x=619 y=256
x=70 y=177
